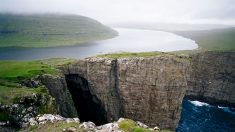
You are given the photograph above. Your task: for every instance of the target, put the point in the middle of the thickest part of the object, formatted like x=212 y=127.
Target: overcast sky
x=114 y=11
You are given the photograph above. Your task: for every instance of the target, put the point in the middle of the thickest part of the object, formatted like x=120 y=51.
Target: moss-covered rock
x=25 y=107
x=22 y=94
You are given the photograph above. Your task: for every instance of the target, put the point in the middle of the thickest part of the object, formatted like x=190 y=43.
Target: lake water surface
x=129 y=40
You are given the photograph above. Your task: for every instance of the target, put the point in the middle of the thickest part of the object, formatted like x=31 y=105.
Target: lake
x=129 y=40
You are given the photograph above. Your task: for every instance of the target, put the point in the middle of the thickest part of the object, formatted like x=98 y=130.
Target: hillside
x=50 y=30
x=213 y=40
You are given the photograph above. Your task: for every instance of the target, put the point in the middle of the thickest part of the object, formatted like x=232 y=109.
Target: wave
x=227 y=109
x=198 y=103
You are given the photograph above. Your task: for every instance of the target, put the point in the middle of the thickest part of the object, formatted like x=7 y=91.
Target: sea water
x=198 y=116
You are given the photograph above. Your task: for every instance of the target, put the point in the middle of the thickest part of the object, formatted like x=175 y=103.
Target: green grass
x=186 y=52
x=150 y=54
x=57 y=62
x=11 y=91
x=14 y=71
x=128 y=125
x=50 y=30
x=4 y=116
x=131 y=54
x=212 y=40
x=9 y=95
x=52 y=127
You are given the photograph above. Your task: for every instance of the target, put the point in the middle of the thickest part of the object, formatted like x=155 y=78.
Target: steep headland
x=149 y=89
x=145 y=89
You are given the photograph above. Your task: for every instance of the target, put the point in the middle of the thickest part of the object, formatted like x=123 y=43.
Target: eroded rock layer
x=212 y=78
x=151 y=89
x=145 y=89
x=58 y=89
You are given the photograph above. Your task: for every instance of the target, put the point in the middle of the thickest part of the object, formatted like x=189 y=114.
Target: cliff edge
x=151 y=89
x=145 y=89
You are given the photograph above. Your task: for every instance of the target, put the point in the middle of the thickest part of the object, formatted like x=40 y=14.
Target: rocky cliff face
x=57 y=88
x=101 y=77
x=212 y=78
x=152 y=89
x=145 y=89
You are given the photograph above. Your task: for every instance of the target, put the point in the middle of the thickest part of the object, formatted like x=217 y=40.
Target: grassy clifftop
x=12 y=73
x=50 y=30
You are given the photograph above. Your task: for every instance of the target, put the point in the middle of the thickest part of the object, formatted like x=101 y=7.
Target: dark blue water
x=201 y=117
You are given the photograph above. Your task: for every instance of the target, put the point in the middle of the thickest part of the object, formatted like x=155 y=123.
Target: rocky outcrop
x=212 y=78
x=57 y=88
x=55 y=98
x=48 y=121
x=24 y=108
x=100 y=75
x=146 y=89
x=45 y=118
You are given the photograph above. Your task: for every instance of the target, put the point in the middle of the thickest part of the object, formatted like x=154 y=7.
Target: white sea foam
x=198 y=103
x=226 y=109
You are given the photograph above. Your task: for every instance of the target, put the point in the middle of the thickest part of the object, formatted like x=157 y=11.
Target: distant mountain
x=50 y=30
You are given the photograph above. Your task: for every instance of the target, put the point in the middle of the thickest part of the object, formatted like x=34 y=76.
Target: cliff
x=212 y=78
x=145 y=89
x=57 y=88
x=149 y=89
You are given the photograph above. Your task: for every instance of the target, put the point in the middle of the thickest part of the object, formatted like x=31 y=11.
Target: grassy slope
x=130 y=54
x=13 y=72
x=212 y=40
x=180 y=55
x=50 y=30
x=52 y=127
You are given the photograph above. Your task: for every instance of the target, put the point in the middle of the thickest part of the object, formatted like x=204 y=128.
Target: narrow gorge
x=147 y=89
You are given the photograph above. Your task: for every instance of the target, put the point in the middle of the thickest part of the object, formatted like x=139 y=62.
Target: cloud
x=107 y=11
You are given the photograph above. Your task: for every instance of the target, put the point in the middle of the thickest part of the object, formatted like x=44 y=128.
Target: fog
x=114 y=11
